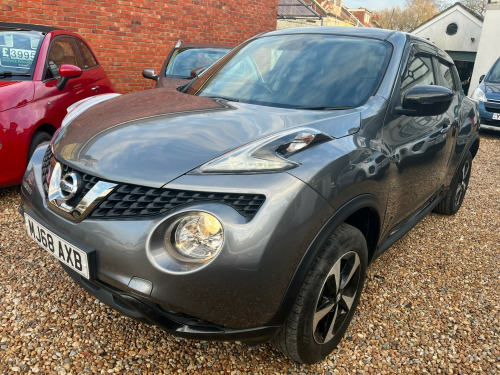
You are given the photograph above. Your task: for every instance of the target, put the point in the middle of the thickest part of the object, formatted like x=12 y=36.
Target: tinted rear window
x=184 y=60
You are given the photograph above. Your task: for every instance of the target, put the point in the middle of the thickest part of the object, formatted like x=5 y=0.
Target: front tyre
x=452 y=201
x=328 y=298
x=38 y=138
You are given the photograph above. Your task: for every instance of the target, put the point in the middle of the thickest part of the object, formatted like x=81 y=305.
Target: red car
x=43 y=71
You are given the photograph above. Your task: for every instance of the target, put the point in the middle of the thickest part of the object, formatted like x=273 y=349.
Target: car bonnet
x=492 y=90
x=15 y=94
x=154 y=136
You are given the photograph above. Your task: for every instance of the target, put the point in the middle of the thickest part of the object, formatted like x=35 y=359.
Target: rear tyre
x=38 y=138
x=452 y=201
x=328 y=298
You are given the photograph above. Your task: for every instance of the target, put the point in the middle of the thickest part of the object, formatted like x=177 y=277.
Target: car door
x=62 y=50
x=420 y=146
x=94 y=77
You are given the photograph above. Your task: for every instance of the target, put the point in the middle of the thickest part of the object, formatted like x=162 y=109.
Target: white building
x=489 y=46
x=457 y=30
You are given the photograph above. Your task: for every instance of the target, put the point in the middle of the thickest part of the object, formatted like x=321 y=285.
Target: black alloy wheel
x=327 y=299
x=462 y=183
x=455 y=196
x=337 y=297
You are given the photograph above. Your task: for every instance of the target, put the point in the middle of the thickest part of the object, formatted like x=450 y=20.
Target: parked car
x=182 y=60
x=488 y=95
x=43 y=70
x=234 y=210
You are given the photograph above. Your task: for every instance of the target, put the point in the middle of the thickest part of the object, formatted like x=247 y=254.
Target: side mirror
x=196 y=72
x=67 y=71
x=150 y=74
x=426 y=100
x=481 y=78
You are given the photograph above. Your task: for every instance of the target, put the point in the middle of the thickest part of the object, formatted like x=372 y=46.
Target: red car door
x=63 y=50
x=70 y=50
x=95 y=79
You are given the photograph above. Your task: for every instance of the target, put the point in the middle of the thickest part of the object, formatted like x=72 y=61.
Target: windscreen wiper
x=325 y=108
x=227 y=98
x=10 y=74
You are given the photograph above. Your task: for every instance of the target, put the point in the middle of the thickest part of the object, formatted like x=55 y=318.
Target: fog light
x=197 y=237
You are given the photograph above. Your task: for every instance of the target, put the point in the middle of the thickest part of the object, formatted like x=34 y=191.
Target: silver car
x=247 y=204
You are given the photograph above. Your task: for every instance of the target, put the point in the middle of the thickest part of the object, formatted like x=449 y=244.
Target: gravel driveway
x=431 y=304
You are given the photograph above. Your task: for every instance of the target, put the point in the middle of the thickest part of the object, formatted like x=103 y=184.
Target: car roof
x=366 y=32
x=25 y=26
x=204 y=45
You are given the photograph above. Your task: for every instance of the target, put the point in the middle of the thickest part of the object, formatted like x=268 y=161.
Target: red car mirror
x=67 y=71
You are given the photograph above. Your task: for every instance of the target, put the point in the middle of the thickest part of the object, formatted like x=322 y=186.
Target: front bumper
x=486 y=111
x=178 y=324
x=237 y=295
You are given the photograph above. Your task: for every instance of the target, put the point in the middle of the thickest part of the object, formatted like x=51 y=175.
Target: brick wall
x=128 y=36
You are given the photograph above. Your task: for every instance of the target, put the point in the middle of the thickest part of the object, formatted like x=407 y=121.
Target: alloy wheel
x=462 y=183
x=337 y=297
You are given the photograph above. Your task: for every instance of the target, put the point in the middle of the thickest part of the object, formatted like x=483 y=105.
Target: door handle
x=445 y=129
x=95 y=88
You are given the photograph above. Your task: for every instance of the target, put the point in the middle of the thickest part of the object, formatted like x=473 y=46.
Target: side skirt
x=405 y=226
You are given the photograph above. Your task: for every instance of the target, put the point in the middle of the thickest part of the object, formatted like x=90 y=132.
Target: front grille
x=491 y=106
x=130 y=201
x=45 y=169
x=88 y=182
x=490 y=122
x=138 y=201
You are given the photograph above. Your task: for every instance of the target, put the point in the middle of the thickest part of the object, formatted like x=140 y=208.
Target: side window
x=89 y=60
x=418 y=72
x=61 y=51
x=447 y=75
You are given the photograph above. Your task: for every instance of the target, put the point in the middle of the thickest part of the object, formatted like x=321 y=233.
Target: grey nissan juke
x=247 y=204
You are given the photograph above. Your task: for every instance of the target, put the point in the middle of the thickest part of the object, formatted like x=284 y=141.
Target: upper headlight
x=266 y=155
x=479 y=95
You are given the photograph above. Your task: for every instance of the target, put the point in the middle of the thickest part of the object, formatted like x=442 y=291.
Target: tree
x=412 y=15
x=416 y=12
x=478 y=6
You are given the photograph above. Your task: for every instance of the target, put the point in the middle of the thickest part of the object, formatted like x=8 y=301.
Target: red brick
x=129 y=36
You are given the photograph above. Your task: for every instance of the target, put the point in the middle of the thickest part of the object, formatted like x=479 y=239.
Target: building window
x=452 y=29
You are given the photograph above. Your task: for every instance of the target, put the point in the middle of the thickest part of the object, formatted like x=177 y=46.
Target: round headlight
x=197 y=237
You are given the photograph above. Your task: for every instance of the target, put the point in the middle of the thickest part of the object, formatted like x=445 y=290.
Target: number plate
x=68 y=254
x=496 y=116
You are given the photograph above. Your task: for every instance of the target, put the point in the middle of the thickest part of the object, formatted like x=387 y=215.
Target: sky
x=372 y=4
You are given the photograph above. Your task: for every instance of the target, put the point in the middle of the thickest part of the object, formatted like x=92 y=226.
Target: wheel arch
x=474 y=147
x=44 y=127
x=362 y=212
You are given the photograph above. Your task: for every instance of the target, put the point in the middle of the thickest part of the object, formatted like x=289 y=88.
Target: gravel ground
x=431 y=304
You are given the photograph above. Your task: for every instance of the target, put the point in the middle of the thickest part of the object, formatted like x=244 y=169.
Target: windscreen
x=185 y=60
x=18 y=50
x=494 y=74
x=301 y=71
